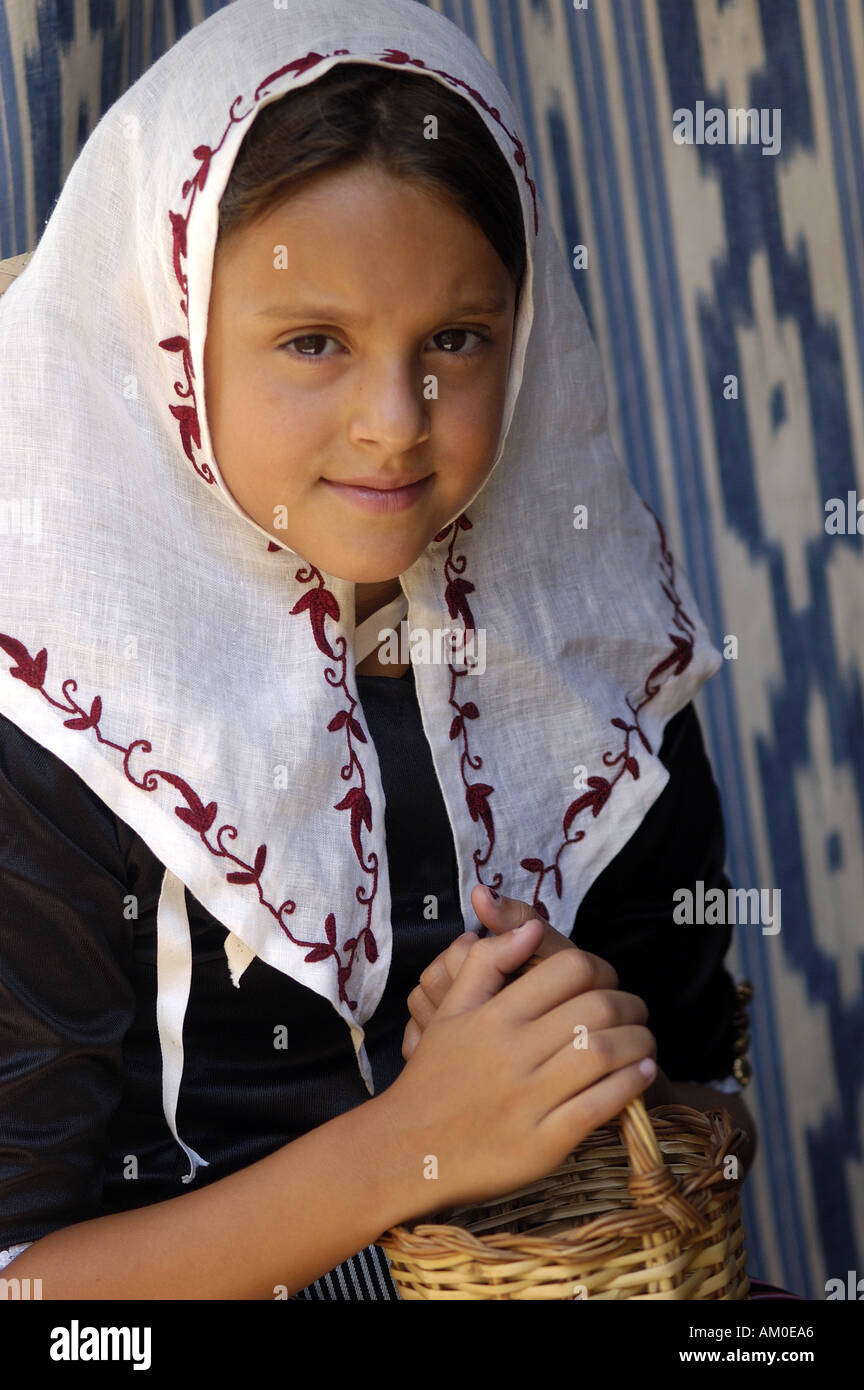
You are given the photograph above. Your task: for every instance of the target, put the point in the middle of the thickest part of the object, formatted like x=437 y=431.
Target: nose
x=389 y=409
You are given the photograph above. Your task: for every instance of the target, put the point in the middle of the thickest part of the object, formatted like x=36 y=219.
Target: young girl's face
x=328 y=318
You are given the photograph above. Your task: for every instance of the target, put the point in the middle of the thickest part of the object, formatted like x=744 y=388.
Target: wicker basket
x=643 y=1208
x=595 y=1228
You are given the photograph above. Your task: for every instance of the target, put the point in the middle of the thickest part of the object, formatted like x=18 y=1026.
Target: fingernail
x=493 y=894
x=648 y=1067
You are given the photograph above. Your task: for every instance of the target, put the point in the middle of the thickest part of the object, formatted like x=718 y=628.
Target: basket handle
x=652 y=1182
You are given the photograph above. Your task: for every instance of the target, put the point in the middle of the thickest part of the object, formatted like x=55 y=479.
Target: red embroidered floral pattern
x=187 y=415
x=601 y=787
x=477 y=794
x=395 y=55
x=456 y=597
x=200 y=817
x=320 y=603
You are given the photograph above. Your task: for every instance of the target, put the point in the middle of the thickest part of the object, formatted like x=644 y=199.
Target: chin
x=369 y=574
x=387 y=562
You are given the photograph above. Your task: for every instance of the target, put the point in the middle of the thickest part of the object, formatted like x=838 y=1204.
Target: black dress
x=80 y=1065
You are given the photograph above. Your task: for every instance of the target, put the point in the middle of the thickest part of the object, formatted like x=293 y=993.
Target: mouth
x=385 y=497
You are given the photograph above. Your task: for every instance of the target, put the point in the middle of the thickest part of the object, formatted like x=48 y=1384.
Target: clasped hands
x=602 y=1003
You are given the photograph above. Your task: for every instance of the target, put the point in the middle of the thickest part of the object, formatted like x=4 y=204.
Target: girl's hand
x=512 y=1073
x=500 y=917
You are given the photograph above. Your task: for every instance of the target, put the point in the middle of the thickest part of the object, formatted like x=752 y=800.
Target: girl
x=303 y=363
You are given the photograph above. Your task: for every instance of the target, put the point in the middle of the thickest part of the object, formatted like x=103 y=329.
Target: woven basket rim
x=607 y=1232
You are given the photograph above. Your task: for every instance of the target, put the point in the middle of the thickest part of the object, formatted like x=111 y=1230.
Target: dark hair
x=362 y=113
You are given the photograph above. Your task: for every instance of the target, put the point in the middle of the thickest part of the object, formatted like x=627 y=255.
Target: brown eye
x=307 y=338
x=462 y=333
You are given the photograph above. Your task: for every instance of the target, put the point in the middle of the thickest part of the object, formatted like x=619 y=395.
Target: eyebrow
x=329 y=312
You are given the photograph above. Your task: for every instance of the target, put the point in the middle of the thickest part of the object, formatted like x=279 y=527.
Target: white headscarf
x=174 y=655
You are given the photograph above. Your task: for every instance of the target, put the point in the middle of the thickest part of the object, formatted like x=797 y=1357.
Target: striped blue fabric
x=725 y=289
x=364 y=1276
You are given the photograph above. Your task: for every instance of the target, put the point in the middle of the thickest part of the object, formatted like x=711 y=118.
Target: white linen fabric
x=177 y=657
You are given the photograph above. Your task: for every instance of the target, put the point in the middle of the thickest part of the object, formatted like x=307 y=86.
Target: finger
x=457 y=951
x=606 y=1008
x=602 y=973
x=442 y=971
x=547 y=983
x=420 y=1006
x=487 y=967
x=570 y=1069
x=569 y=1122
x=579 y=1020
x=605 y=974
x=506 y=913
x=582 y=1019
x=437 y=978
x=501 y=913
x=410 y=1039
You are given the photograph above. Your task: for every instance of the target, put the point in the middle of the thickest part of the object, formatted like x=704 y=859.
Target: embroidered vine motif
x=456 y=597
x=597 y=798
x=477 y=794
x=320 y=603
x=395 y=55
x=198 y=816
x=187 y=415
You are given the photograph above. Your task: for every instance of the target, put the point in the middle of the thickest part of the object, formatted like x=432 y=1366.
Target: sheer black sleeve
x=66 y=990
x=627 y=915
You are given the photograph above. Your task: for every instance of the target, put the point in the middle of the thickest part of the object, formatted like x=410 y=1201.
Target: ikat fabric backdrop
x=720 y=259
